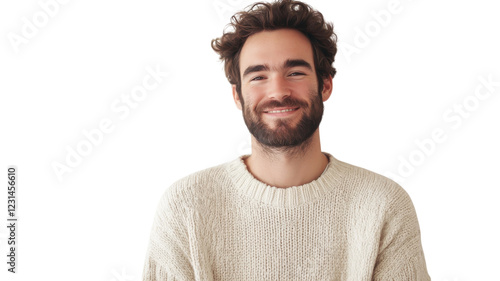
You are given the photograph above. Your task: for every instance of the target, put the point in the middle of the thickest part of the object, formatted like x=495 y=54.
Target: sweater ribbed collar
x=245 y=183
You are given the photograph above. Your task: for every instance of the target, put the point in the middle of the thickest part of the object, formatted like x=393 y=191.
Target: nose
x=278 y=88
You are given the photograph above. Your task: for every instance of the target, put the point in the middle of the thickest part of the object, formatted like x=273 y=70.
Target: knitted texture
x=223 y=224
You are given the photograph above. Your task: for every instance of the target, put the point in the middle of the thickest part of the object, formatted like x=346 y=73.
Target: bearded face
x=280 y=95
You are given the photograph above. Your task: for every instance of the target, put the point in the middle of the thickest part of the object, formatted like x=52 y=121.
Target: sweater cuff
x=155 y=272
x=413 y=270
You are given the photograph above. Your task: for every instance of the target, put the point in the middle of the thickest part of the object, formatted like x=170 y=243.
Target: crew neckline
x=245 y=183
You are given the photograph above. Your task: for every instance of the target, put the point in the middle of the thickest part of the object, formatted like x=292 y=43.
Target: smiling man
x=282 y=107
x=288 y=211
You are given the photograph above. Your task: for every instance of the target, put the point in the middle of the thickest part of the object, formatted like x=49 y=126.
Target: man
x=288 y=211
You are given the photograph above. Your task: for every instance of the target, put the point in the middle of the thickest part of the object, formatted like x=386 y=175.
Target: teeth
x=278 y=111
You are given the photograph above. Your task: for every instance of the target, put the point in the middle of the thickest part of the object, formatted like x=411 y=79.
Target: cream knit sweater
x=223 y=224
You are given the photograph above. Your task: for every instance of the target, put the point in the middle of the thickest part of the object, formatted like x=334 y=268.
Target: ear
x=236 y=97
x=327 y=88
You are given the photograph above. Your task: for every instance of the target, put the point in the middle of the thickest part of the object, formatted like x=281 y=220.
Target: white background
x=407 y=71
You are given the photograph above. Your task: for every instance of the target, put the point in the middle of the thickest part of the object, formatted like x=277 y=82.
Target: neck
x=286 y=167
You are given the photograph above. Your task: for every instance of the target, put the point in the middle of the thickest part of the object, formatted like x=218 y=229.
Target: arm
x=168 y=256
x=400 y=256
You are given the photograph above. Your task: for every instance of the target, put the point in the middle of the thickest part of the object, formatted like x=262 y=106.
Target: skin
x=280 y=167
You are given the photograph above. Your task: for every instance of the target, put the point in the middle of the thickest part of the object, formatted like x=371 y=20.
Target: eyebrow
x=288 y=64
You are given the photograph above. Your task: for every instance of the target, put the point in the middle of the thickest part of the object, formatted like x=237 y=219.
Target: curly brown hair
x=263 y=16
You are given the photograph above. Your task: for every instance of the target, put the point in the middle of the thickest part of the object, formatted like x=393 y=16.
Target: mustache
x=289 y=102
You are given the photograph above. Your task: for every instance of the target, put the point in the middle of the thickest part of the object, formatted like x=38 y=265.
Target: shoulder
x=203 y=177
x=196 y=186
x=375 y=188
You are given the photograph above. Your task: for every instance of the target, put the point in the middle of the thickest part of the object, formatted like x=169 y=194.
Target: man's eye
x=257 y=78
x=296 y=74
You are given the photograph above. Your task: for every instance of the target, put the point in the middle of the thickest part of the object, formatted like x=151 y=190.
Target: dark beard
x=285 y=135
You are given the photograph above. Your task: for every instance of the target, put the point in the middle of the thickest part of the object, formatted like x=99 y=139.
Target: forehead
x=274 y=47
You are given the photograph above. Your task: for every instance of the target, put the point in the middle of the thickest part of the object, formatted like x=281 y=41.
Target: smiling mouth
x=282 y=110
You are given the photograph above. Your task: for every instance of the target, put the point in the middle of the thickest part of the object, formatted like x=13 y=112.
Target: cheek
x=251 y=98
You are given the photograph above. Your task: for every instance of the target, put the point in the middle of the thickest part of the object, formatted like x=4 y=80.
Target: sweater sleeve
x=400 y=256
x=167 y=257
